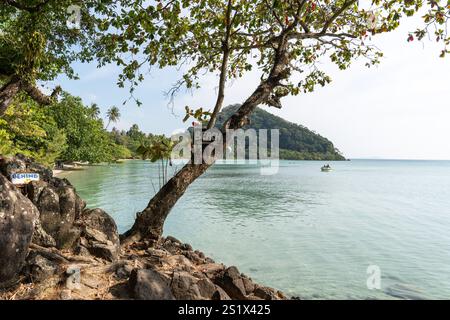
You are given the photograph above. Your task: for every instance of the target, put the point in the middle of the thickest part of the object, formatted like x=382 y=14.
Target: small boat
x=80 y=163
x=72 y=167
x=326 y=168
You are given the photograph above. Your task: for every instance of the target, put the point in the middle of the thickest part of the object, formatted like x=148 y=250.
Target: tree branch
x=39 y=97
x=344 y=7
x=224 y=67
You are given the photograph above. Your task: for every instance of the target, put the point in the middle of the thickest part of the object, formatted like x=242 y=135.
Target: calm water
x=308 y=233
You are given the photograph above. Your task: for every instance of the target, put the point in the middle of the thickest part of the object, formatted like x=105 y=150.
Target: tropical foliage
x=67 y=130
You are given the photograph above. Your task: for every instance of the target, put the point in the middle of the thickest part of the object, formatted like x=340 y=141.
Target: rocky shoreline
x=52 y=247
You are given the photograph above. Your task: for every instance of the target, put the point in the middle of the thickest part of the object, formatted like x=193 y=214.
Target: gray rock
x=149 y=285
x=231 y=281
x=220 y=294
x=42 y=238
x=248 y=285
x=178 y=262
x=267 y=293
x=186 y=246
x=172 y=239
x=9 y=166
x=187 y=287
x=405 y=292
x=194 y=257
x=101 y=235
x=40 y=268
x=17 y=220
x=59 y=207
x=211 y=270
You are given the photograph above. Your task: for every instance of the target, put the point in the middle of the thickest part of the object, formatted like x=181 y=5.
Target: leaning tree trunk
x=7 y=93
x=149 y=223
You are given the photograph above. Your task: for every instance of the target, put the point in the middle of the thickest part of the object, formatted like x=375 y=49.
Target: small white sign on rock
x=24 y=177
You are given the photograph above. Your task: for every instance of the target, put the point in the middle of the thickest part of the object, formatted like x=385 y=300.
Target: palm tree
x=113 y=115
x=95 y=110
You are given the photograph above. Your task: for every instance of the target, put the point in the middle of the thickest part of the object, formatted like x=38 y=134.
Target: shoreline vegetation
x=62 y=250
x=68 y=133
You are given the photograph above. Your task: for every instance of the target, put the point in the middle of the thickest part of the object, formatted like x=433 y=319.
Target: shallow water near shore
x=308 y=233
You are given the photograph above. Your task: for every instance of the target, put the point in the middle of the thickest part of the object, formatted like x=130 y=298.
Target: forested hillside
x=296 y=141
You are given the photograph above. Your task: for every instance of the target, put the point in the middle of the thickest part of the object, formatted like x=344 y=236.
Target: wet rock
x=100 y=234
x=405 y=292
x=187 y=287
x=231 y=281
x=17 y=220
x=149 y=285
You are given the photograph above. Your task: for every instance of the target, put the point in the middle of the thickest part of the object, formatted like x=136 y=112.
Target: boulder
x=40 y=268
x=147 y=284
x=194 y=257
x=172 y=239
x=56 y=200
x=248 y=285
x=59 y=207
x=187 y=287
x=220 y=294
x=99 y=234
x=17 y=221
x=231 y=281
x=9 y=166
x=211 y=270
x=178 y=262
x=267 y=293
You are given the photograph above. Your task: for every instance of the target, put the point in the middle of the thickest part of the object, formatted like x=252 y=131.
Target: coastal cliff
x=53 y=247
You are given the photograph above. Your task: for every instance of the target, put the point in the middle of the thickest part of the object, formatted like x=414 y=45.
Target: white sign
x=24 y=178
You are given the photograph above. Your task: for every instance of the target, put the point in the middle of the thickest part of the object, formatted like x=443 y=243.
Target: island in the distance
x=296 y=141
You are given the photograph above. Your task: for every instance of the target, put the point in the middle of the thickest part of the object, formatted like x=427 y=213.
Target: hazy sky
x=398 y=110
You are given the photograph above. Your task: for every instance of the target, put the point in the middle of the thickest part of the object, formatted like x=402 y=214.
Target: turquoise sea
x=308 y=233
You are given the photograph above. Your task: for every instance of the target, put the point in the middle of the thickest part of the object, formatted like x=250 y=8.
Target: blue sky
x=399 y=110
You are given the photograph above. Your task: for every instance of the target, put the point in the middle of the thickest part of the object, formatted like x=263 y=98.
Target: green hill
x=296 y=141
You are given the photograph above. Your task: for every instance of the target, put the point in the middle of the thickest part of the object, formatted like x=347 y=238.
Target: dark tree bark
x=8 y=92
x=15 y=85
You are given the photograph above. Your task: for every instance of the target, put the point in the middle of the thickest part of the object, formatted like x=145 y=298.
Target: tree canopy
x=198 y=35
x=36 y=43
